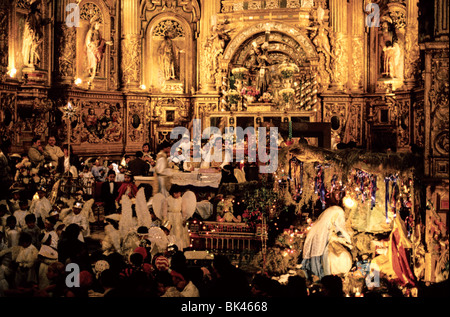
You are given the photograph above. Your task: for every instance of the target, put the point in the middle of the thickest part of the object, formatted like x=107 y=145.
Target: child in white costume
x=26 y=261
x=176 y=218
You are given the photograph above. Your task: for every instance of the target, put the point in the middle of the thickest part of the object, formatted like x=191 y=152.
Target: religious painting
x=98 y=123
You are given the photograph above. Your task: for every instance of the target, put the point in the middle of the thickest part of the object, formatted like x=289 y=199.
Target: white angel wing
x=160 y=206
x=112 y=237
x=158 y=238
x=188 y=204
x=142 y=213
x=87 y=210
x=126 y=219
x=54 y=193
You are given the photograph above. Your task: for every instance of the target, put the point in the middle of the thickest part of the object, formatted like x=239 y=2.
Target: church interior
x=356 y=92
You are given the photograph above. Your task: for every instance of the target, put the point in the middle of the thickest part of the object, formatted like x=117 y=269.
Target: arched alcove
x=284 y=45
x=163 y=31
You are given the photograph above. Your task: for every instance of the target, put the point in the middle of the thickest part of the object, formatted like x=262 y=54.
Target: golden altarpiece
x=371 y=72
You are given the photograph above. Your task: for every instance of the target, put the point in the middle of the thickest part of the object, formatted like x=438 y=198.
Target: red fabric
x=123 y=188
x=400 y=260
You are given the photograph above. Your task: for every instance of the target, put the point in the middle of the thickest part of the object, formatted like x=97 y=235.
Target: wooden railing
x=213 y=235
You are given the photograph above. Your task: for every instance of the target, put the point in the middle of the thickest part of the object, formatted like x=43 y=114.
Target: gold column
x=338 y=15
x=356 y=75
x=206 y=53
x=131 y=44
x=412 y=52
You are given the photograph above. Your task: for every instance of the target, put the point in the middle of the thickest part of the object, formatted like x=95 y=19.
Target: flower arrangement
x=233 y=97
x=288 y=70
x=287 y=94
x=250 y=91
x=239 y=72
x=266 y=97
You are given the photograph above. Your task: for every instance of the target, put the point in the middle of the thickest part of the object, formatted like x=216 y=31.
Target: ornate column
x=208 y=50
x=338 y=16
x=356 y=75
x=131 y=45
x=412 y=53
x=65 y=41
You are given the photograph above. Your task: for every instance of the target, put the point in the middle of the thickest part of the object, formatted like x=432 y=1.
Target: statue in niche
x=168 y=57
x=263 y=61
x=391 y=55
x=95 y=47
x=33 y=35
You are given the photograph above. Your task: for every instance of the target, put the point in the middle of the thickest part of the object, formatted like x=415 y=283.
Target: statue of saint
x=391 y=61
x=322 y=43
x=33 y=35
x=168 y=56
x=391 y=52
x=95 y=47
x=263 y=62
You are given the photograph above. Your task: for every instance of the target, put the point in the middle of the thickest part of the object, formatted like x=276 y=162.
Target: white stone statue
x=95 y=47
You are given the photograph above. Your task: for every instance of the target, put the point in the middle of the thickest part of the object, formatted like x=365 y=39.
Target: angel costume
x=40 y=208
x=176 y=219
x=322 y=253
x=26 y=261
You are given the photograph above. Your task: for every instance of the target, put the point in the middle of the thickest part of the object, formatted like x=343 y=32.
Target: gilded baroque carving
x=412 y=52
x=136 y=123
x=353 y=124
x=67 y=55
x=438 y=98
x=4 y=45
x=321 y=36
x=403 y=124
x=97 y=122
x=357 y=62
x=8 y=122
x=131 y=59
x=419 y=123
x=180 y=108
x=186 y=8
x=340 y=65
x=213 y=48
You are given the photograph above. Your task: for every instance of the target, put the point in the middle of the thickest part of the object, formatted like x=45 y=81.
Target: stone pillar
x=338 y=16
x=131 y=45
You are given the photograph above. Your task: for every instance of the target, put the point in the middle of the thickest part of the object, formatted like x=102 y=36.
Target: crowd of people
x=40 y=234
x=44 y=228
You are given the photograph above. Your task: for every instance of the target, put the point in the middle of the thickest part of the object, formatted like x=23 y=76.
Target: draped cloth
x=395 y=264
x=315 y=250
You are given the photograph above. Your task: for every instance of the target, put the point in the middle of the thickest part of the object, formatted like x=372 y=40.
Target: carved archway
x=285 y=45
x=275 y=27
